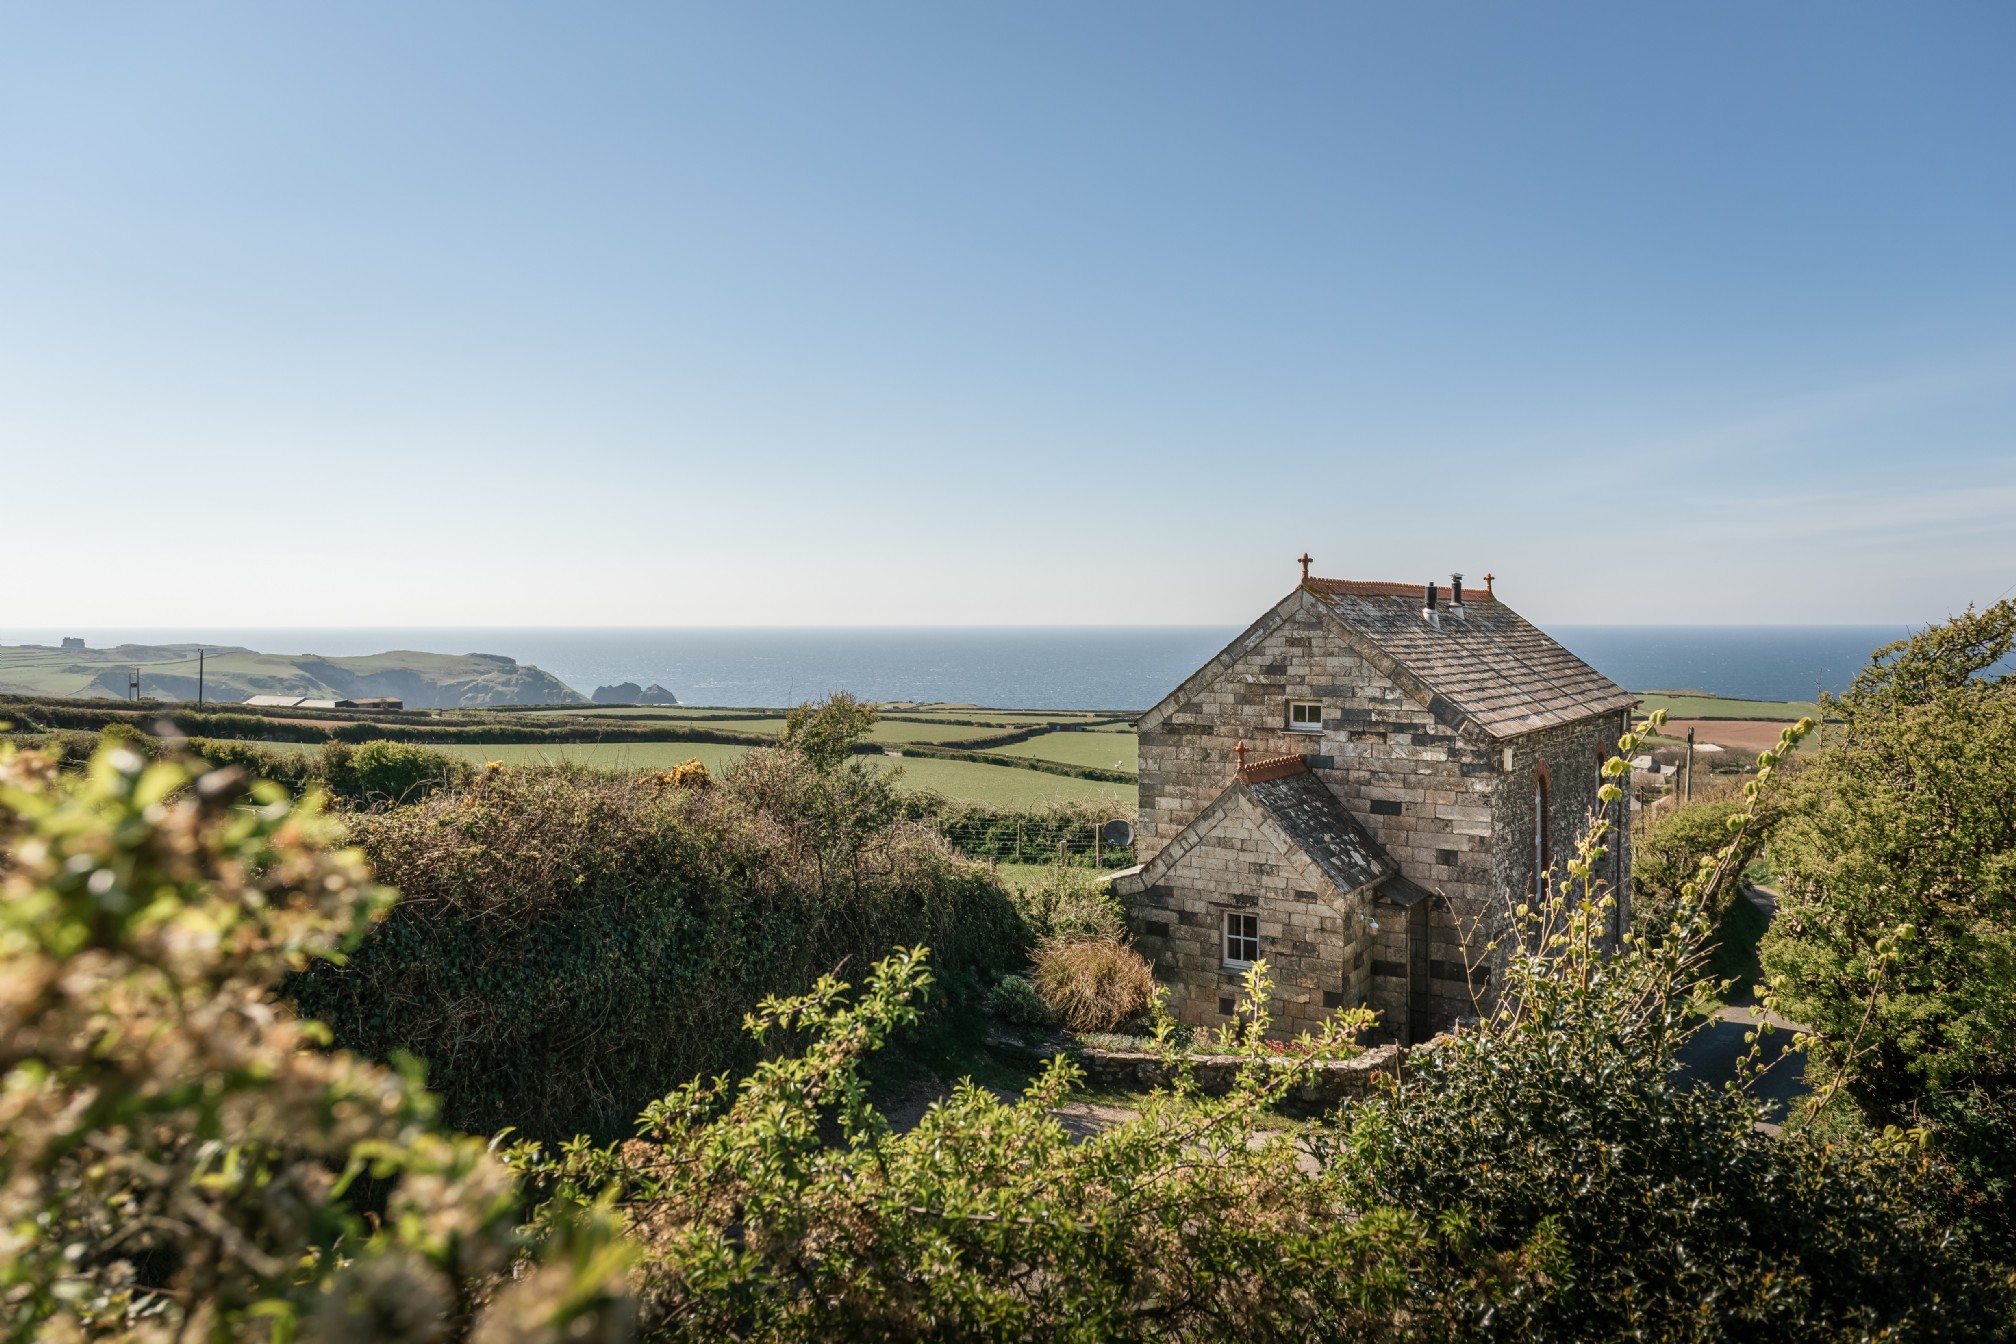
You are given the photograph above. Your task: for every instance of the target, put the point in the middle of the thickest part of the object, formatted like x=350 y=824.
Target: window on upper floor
x=1305 y=716
x=1242 y=940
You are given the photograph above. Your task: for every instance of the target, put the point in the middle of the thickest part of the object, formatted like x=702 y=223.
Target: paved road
x=1710 y=1058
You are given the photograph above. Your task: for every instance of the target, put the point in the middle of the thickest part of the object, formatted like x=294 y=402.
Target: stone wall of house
x=1315 y=939
x=1573 y=756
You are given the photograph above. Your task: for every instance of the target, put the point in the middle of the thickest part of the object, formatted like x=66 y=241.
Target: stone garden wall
x=1326 y=1085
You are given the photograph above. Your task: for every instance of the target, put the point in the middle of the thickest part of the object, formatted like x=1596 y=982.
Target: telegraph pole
x=199 y=677
x=1690 y=765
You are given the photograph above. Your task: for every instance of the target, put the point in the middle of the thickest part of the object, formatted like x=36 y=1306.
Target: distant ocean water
x=1062 y=667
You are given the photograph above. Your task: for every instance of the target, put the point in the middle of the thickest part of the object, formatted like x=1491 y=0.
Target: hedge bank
x=571 y=944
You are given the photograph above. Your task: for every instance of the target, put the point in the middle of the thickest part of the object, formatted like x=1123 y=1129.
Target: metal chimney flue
x=1455 y=590
x=1430 y=602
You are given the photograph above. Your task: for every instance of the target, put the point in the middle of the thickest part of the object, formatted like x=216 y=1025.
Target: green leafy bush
x=178 y=1160
x=1071 y=902
x=1896 y=931
x=987 y=1220
x=1014 y=1000
x=1543 y=1178
x=1666 y=854
x=825 y=731
x=573 y=943
x=381 y=772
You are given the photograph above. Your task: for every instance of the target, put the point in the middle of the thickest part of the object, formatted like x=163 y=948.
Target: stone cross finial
x=1487 y=584
x=1305 y=566
x=1240 y=752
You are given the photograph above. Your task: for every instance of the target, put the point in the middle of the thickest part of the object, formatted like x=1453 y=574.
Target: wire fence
x=1042 y=839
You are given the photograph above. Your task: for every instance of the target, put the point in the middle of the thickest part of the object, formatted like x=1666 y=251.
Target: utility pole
x=1690 y=765
x=199 y=678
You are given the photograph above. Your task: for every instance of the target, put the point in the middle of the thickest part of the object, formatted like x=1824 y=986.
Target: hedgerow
x=373 y=774
x=40 y=716
x=1021 y=835
x=572 y=942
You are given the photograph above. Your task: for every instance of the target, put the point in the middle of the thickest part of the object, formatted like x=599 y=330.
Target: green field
x=1107 y=751
x=1717 y=707
x=639 y=713
x=895 y=732
x=998 y=785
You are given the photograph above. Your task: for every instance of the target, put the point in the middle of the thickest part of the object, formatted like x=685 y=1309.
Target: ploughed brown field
x=1746 y=735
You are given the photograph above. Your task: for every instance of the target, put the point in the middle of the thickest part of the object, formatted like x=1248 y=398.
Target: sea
x=1022 y=667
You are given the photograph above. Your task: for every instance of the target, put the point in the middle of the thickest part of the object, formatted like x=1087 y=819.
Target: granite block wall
x=1315 y=939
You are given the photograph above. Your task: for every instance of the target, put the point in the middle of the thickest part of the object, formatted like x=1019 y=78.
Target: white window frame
x=1311 y=726
x=1246 y=936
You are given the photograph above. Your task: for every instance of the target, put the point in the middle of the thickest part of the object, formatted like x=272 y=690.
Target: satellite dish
x=1118 y=833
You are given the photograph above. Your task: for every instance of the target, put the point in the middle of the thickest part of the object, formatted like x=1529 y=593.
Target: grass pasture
x=1107 y=751
x=1683 y=706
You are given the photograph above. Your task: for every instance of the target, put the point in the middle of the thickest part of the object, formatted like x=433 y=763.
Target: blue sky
x=509 y=314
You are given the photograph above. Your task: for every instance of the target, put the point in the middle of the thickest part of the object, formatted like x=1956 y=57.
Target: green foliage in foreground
x=1896 y=930
x=178 y=1160
x=571 y=944
x=1543 y=1178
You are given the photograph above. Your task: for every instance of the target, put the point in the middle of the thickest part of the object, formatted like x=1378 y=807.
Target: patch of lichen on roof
x=1489 y=664
x=1310 y=815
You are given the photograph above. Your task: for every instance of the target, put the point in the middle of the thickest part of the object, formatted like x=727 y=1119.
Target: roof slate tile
x=1492 y=665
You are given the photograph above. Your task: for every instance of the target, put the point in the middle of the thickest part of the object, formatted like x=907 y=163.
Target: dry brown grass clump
x=1092 y=984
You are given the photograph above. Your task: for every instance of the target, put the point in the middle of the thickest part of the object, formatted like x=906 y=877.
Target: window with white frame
x=1242 y=940
x=1305 y=716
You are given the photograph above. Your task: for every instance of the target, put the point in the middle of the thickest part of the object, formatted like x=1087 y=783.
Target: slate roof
x=1310 y=815
x=1489 y=664
x=1398 y=890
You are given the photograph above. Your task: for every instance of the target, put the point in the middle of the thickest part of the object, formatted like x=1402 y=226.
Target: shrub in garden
x=1014 y=1000
x=987 y=1220
x=1071 y=902
x=1666 y=853
x=180 y=1160
x=1093 y=984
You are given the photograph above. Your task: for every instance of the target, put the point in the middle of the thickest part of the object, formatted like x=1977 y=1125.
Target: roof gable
x=1302 y=812
x=1312 y=819
x=1485 y=663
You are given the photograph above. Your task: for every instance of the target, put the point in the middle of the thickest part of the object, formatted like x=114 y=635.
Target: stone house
x=1358 y=788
